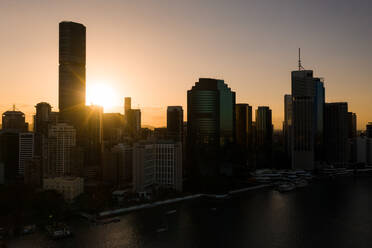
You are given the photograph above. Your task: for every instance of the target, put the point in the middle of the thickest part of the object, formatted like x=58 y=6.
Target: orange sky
x=154 y=51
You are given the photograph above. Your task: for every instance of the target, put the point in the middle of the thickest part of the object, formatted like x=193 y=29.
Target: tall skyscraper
x=72 y=38
x=26 y=150
x=127 y=104
x=210 y=125
x=243 y=125
x=175 y=123
x=308 y=99
x=336 y=133
x=61 y=140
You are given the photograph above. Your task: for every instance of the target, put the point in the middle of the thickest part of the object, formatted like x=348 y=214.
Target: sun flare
x=101 y=94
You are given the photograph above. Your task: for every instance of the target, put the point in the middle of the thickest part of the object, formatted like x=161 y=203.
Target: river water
x=334 y=213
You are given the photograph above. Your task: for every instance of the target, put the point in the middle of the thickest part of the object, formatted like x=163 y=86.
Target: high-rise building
x=369 y=130
x=113 y=126
x=287 y=125
x=143 y=166
x=72 y=38
x=26 y=150
x=42 y=118
x=157 y=163
x=117 y=165
x=175 y=123
x=336 y=133
x=14 y=120
x=243 y=125
x=133 y=119
x=61 y=140
x=352 y=125
x=210 y=125
x=308 y=99
x=127 y=105
x=264 y=137
x=264 y=126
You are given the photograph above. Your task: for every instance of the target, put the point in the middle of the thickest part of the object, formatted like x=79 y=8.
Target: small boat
x=171 y=211
x=285 y=187
x=59 y=230
x=301 y=183
x=29 y=229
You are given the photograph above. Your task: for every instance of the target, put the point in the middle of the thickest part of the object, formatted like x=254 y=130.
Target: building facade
x=61 y=140
x=308 y=98
x=175 y=123
x=210 y=126
x=26 y=150
x=69 y=187
x=336 y=132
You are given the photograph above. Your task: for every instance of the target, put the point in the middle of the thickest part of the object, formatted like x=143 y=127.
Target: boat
x=285 y=187
x=301 y=183
x=59 y=230
x=29 y=229
x=171 y=211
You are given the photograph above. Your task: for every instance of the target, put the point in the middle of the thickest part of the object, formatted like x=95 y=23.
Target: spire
x=300 y=67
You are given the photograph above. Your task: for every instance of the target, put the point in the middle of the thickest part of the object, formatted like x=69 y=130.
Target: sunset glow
x=101 y=94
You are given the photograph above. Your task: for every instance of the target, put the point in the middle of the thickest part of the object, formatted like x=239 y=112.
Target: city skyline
x=145 y=57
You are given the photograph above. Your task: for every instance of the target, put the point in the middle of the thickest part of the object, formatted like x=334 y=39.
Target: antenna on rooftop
x=300 y=67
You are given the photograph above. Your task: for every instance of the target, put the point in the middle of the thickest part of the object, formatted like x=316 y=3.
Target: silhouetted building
x=72 y=57
x=308 y=99
x=127 y=105
x=175 y=123
x=287 y=126
x=352 y=134
x=264 y=137
x=33 y=173
x=336 y=133
x=210 y=128
x=134 y=122
x=14 y=120
x=369 y=130
x=9 y=154
x=364 y=150
x=26 y=150
x=42 y=118
x=94 y=135
x=243 y=125
x=352 y=125
x=113 y=126
x=160 y=133
x=61 y=140
x=118 y=165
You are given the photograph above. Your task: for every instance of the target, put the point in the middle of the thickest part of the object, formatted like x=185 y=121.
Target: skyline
x=146 y=56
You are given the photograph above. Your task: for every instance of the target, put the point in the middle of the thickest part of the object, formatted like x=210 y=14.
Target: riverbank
x=119 y=211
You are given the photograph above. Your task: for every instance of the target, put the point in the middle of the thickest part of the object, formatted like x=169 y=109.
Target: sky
x=154 y=51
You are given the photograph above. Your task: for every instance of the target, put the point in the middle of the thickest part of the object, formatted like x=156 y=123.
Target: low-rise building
x=69 y=187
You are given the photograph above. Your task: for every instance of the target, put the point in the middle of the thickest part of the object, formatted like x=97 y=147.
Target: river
x=327 y=213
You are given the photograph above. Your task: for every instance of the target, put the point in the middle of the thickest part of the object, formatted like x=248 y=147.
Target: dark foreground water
x=325 y=214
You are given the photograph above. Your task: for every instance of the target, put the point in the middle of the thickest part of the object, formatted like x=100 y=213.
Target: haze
x=154 y=51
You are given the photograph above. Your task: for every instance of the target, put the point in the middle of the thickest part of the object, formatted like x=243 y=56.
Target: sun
x=101 y=94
